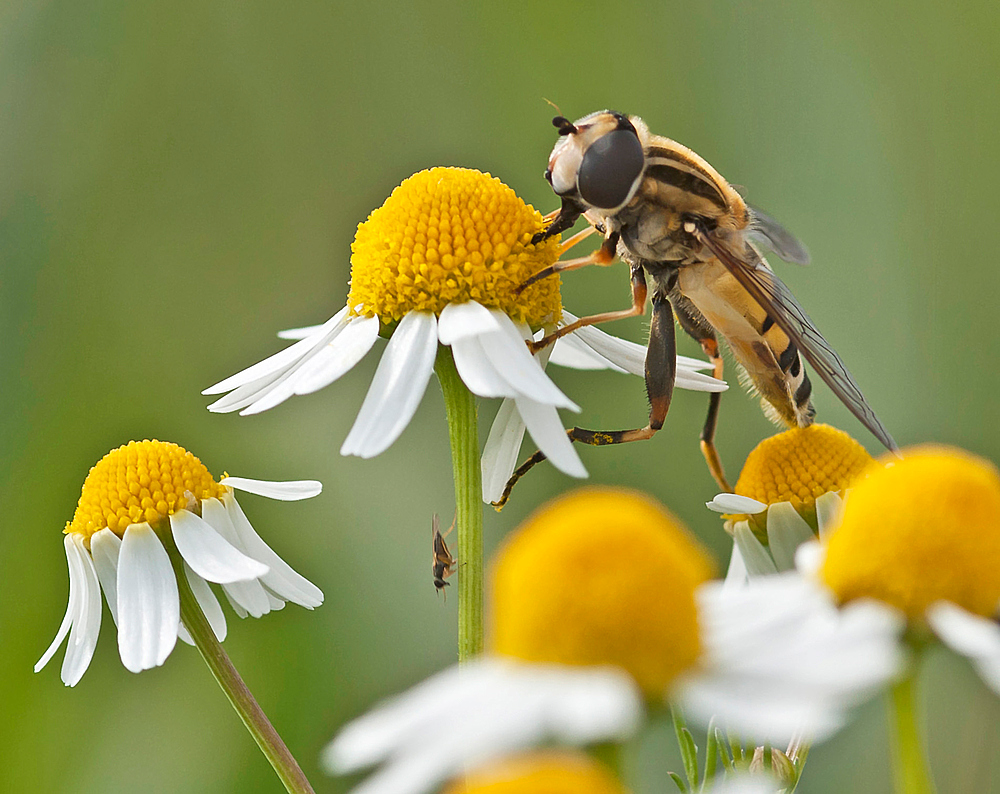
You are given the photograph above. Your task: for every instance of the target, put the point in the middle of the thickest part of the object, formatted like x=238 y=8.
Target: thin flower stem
x=463 y=432
x=910 y=770
x=240 y=697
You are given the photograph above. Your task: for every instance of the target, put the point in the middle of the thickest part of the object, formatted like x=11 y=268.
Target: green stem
x=267 y=738
x=910 y=770
x=460 y=406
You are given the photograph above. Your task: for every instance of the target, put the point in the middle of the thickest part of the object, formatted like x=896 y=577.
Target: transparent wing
x=773 y=296
x=768 y=233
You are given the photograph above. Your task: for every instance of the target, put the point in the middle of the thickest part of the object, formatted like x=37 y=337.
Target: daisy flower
x=150 y=512
x=438 y=266
x=601 y=605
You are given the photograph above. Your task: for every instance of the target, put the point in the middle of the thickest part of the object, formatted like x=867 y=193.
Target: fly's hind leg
x=705 y=336
x=661 y=369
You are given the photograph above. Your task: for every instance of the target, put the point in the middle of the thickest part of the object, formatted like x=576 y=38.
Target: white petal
x=973 y=636
x=299 y=333
x=283 y=359
x=809 y=558
x=510 y=356
x=282 y=579
x=756 y=557
x=483 y=710
x=786 y=531
x=208 y=602
x=247 y=394
x=148 y=605
x=737 y=574
x=71 y=606
x=477 y=370
x=397 y=387
x=339 y=356
x=570 y=351
x=548 y=433
x=464 y=320
x=104 y=547
x=286 y=491
x=208 y=553
x=779 y=657
x=500 y=451
x=734 y=503
x=828 y=509
x=247 y=597
x=744 y=784
x=87 y=621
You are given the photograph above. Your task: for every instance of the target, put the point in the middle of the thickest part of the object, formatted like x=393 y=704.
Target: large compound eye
x=610 y=168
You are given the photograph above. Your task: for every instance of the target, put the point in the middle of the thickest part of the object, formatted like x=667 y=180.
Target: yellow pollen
x=601 y=577
x=141 y=481
x=551 y=772
x=800 y=465
x=918 y=530
x=451 y=235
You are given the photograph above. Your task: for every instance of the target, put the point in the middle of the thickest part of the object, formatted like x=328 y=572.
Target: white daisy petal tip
x=972 y=636
x=735 y=504
x=285 y=491
x=809 y=558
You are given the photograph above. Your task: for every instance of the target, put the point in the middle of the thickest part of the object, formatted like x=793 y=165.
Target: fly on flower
x=436 y=268
x=442 y=563
x=151 y=512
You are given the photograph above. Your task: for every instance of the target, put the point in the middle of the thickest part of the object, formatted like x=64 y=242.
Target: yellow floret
x=451 y=235
x=551 y=772
x=141 y=481
x=800 y=465
x=601 y=577
x=919 y=530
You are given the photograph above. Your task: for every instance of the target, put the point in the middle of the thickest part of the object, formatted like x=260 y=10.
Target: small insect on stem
x=442 y=563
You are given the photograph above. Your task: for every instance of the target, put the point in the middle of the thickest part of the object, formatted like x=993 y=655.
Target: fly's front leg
x=661 y=370
x=702 y=333
x=604 y=255
x=638 y=307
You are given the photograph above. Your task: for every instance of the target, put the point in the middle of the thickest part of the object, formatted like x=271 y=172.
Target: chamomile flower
x=602 y=602
x=438 y=265
x=148 y=510
x=791 y=488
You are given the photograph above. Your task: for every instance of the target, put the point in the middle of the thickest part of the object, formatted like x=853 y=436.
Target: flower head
x=437 y=264
x=140 y=502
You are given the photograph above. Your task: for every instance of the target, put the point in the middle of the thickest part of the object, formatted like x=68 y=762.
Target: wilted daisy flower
x=148 y=508
x=601 y=601
x=790 y=489
x=439 y=263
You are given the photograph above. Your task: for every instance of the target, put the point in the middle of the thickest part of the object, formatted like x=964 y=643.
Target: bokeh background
x=179 y=180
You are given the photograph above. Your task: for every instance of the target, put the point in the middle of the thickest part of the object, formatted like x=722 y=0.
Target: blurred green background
x=178 y=181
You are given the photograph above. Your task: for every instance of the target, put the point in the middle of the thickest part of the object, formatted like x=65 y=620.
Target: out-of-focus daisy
x=148 y=510
x=438 y=263
x=602 y=601
x=791 y=488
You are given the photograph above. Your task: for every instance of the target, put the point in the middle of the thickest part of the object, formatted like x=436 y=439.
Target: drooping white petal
x=510 y=356
x=397 y=388
x=282 y=579
x=338 y=357
x=285 y=491
x=246 y=597
x=500 y=450
x=570 y=351
x=148 y=604
x=208 y=602
x=755 y=556
x=298 y=333
x=208 y=553
x=486 y=709
x=735 y=504
x=284 y=358
x=71 y=607
x=780 y=658
x=809 y=558
x=737 y=574
x=104 y=547
x=973 y=636
x=463 y=321
x=477 y=371
x=548 y=433
x=828 y=509
x=87 y=622
x=786 y=531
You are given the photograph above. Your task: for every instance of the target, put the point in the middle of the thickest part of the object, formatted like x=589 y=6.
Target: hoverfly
x=442 y=563
x=672 y=217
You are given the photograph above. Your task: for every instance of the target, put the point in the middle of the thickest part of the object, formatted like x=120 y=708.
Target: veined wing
x=777 y=300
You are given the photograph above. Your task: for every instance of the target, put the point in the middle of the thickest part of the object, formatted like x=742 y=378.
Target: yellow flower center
x=550 y=772
x=141 y=481
x=800 y=465
x=601 y=577
x=451 y=235
x=919 y=530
